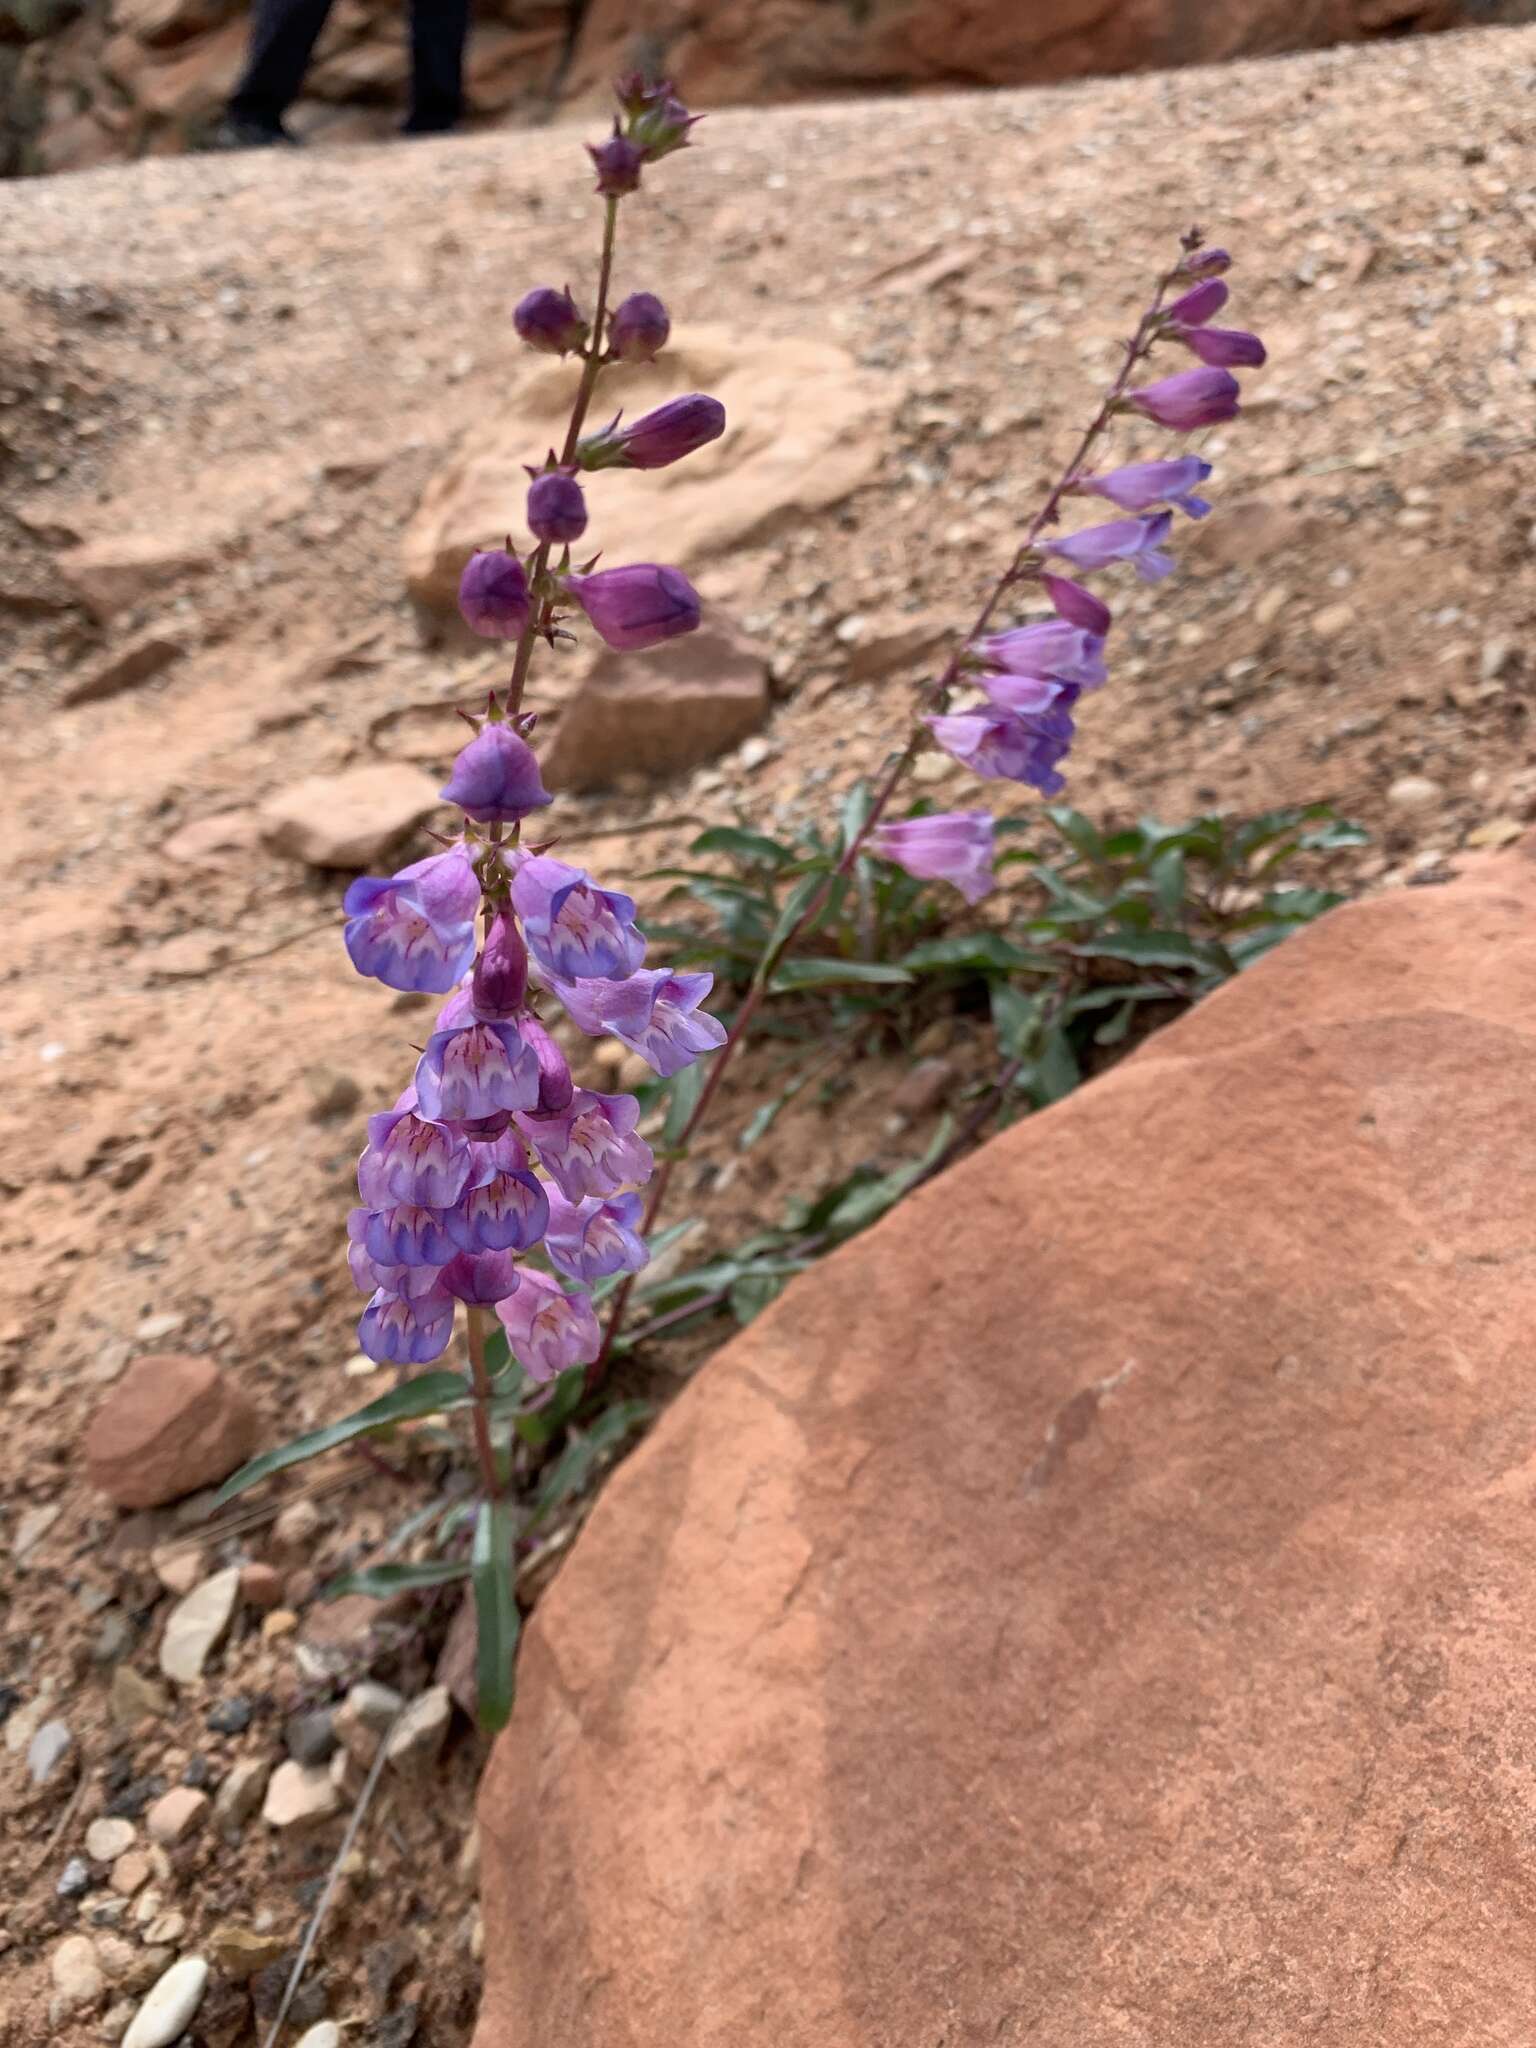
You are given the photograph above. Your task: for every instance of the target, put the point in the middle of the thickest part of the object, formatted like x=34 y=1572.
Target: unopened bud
x=500 y=984
x=640 y=328
x=548 y=320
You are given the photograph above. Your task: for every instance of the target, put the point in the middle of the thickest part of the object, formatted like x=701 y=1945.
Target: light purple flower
x=557 y=507
x=399 y=1330
x=1052 y=648
x=654 y=1013
x=575 y=930
x=408 y=1235
x=1203 y=302
x=481 y=1277
x=1206 y=263
x=657 y=439
x=415 y=930
x=500 y=981
x=369 y=1275
x=994 y=743
x=555 y=1090
x=1079 y=607
x=410 y=1159
x=496 y=778
x=588 y=1240
x=1140 y=485
x=591 y=1147
x=508 y=1212
x=549 y=1330
x=952 y=846
x=547 y=319
x=638 y=606
x=1225 y=348
x=639 y=329
x=1189 y=399
x=1138 y=541
x=473 y=1070
x=617 y=162
x=493 y=595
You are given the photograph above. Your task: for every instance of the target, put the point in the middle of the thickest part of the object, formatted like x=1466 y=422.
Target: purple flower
x=547 y=320
x=588 y=1240
x=1140 y=485
x=549 y=1330
x=410 y=1159
x=500 y=981
x=639 y=329
x=481 y=1277
x=474 y=1070
x=557 y=507
x=1205 y=263
x=1188 y=399
x=1225 y=348
x=1079 y=607
x=1203 y=303
x=493 y=595
x=576 y=930
x=953 y=846
x=400 y=1330
x=408 y=1235
x=657 y=439
x=654 y=1013
x=1053 y=648
x=1139 y=541
x=662 y=125
x=1025 y=696
x=369 y=1274
x=415 y=930
x=555 y=1090
x=1016 y=747
x=591 y=1147
x=636 y=607
x=618 y=163
x=496 y=779
x=507 y=1212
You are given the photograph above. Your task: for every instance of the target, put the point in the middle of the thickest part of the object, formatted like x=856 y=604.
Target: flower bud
x=634 y=92
x=547 y=320
x=640 y=328
x=496 y=778
x=557 y=509
x=1205 y=263
x=1197 y=306
x=1189 y=399
x=638 y=606
x=618 y=163
x=1225 y=348
x=1079 y=607
x=662 y=125
x=555 y=1085
x=493 y=595
x=500 y=982
x=657 y=439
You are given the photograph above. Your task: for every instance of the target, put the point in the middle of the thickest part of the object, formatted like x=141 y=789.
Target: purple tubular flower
x=658 y=438
x=591 y=1147
x=1025 y=696
x=1189 y=399
x=1009 y=745
x=408 y=1235
x=415 y=930
x=410 y=1160
x=474 y=1070
x=1079 y=607
x=953 y=846
x=496 y=778
x=555 y=1090
x=588 y=1240
x=1197 y=306
x=500 y=982
x=481 y=1278
x=547 y=319
x=618 y=163
x=557 y=508
x=1138 y=541
x=493 y=595
x=639 y=329
x=1225 y=348
x=549 y=1330
x=508 y=1212
x=399 y=1330
x=576 y=930
x=636 y=607
x=368 y=1275
x=1140 y=485
x=1206 y=263
x=654 y=1013
x=1053 y=648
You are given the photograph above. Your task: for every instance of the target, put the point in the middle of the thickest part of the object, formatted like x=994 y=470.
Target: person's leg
x=283 y=36
x=438 y=32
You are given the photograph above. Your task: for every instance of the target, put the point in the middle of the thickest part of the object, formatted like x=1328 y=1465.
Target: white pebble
x=167 y=2012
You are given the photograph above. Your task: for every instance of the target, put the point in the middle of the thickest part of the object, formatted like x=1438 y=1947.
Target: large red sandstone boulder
x=1098 y=1605
x=170 y=1425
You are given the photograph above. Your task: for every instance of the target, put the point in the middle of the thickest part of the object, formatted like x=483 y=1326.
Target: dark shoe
x=236 y=132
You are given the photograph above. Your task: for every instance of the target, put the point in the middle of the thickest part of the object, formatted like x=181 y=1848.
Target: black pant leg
x=439 y=29
x=283 y=35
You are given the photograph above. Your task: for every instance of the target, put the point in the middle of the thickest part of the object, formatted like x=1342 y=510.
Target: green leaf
x=497 y=1622
x=573 y=1469
x=381 y=1581
x=1167 y=872
x=1015 y=1019
x=857 y=805
x=752 y=1294
x=803 y=973
x=1076 y=830
x=429 y=1394
x=1076 y=906
x=1056 y=1071
x=980 y=952
x=754 y=848
x=796 y=904
x=1147 y=949
x=1113 y=1032
x=683 y=1092
x=1108 y=994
